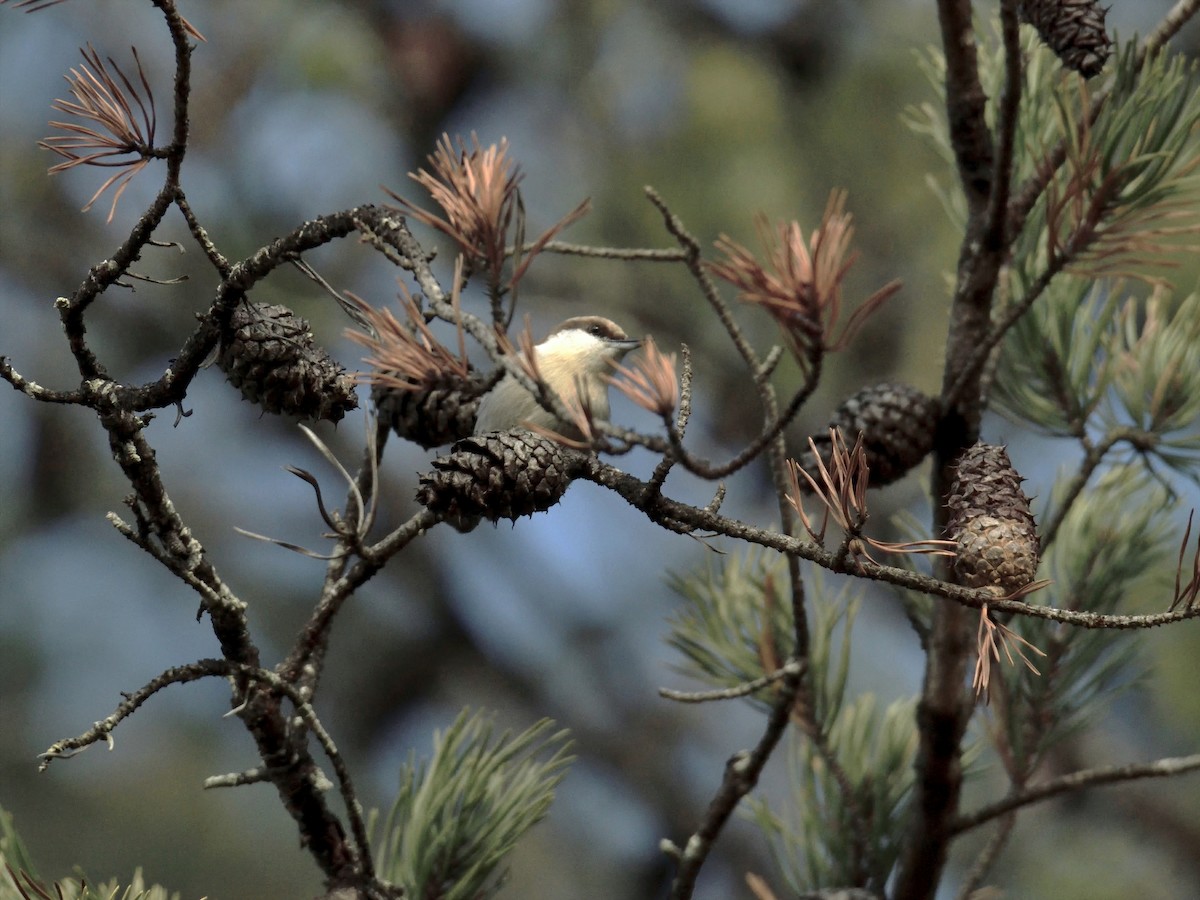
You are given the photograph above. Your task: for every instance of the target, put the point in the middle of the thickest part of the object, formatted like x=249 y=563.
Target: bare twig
x=985 y=858
x=620 y=253
x=207 y=668
x=1178 y=16
x=792 y=668
x=32 y=389
x=102 y=730
x=339 y=590
x=663 y=469
x=200 y=235
x=256 y=775
x=1162 y=768
x=741 y=774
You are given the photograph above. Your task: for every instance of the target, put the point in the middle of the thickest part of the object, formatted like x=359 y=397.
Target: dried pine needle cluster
x=115 y=120
x=478 y=190
x=800 y=283
x=840 y=482
x=649 y=380
x=421 y=389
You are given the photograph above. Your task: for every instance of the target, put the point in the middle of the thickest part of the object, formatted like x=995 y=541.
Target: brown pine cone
x=1073 y=29
x=991 y=522
x=431 y=416
x=897 y=423
x=268 y=353
x=498 y=475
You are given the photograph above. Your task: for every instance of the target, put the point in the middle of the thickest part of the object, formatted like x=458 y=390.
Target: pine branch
x=686 y=518
x=1076 y=781
x=741 y=775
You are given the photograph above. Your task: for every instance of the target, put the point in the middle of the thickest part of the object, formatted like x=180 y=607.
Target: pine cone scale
x=898 y=424
x=433 y=415
x=499 y=475
x=991 y=522
x=1073 y=29
x=269 y=354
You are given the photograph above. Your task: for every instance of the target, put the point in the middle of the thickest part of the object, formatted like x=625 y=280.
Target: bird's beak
x=626 y=345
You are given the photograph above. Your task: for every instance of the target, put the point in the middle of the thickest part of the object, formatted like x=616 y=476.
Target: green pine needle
x=738 y=618
x=460 y=813
x=19 y=880
x=812 y=838
x=1114 y=546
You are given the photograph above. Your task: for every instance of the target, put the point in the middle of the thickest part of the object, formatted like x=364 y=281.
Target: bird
x=572 y=359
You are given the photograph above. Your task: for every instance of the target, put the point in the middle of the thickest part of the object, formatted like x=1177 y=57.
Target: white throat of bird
x=573 y=360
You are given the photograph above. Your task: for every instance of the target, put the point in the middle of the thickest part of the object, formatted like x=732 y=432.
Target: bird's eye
x=596 y=330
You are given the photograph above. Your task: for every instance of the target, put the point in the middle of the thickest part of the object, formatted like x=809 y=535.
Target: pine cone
x=433 y=416
x=1073 y=29
x=499 y=475
x=268 y=353
x=897 y=423
x=991 y=522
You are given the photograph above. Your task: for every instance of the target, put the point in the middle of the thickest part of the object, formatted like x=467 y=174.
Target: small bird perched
x=572 y=360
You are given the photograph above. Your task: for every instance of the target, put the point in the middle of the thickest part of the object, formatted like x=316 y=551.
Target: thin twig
x=986 y=858
x=692 y=248
x=1093 y=456
x=312 y=637
x=200 y=235
x=1162 y=768
x=773 y=428
x=640 y=254
x=208 y=668
x=32 y=389
x=741 y=775
x=682 y=415
x=1179 y=15
x=794 y=667
x=257 y=775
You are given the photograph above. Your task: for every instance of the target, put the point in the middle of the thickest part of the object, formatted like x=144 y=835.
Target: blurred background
x=727 y=108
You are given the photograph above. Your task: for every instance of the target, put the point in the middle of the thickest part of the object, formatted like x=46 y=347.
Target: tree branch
x=741 y=775
x=207 y=668
x=1162 y=768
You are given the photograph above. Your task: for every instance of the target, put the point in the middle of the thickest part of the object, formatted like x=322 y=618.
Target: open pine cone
x=1073 y=29
x=498 y=475
x=432 y=416
x=897 y=423
x=991 y=522
x=268 y=353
